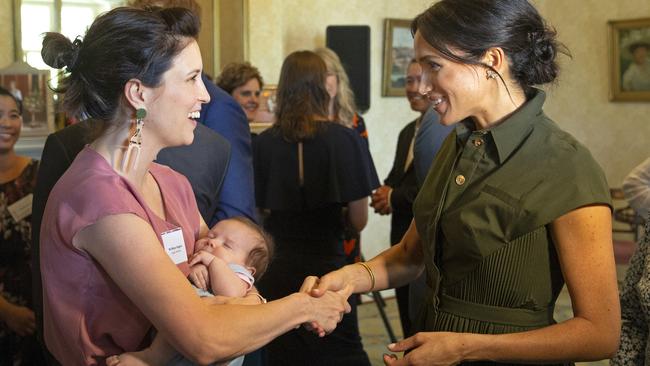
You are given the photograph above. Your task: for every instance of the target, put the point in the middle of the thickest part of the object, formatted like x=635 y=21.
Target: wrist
x=470 y=346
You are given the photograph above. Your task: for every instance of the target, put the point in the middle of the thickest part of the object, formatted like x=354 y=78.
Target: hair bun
x=542 y=45
x=59 y=52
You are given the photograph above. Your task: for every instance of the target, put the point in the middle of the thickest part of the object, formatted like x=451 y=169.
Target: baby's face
x=233 y=242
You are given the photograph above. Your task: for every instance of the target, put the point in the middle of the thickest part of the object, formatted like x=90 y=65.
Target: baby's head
x=240 y=241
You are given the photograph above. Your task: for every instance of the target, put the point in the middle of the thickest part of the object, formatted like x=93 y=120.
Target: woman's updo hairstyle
x=474 y=26
x=122 y=44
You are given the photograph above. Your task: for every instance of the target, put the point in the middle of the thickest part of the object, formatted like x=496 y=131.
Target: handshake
x=328 y=302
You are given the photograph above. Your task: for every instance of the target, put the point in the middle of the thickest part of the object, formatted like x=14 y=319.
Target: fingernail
x=391 y=345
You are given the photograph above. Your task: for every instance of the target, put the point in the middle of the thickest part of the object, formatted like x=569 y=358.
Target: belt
x=496 y=314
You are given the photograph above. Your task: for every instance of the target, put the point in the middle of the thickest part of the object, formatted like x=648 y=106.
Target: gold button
x=478 y=142
x=460 y=179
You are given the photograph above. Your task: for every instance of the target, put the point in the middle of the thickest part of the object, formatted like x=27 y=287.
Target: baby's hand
x=199 y=276
x=202 y=257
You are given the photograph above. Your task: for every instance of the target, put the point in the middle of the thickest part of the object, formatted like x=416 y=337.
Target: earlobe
x=251 y=270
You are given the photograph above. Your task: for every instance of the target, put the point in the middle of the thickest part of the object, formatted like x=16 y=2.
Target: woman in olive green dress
x=512 y=208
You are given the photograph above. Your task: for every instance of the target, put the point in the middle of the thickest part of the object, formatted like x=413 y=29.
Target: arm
x=223 y=281
x=637 y=188
x=394 y=267
x=203 y=332
x=358 y=213
x=583 y=242
x=18 y=318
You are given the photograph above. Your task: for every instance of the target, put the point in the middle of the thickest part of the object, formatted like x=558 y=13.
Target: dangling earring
x=130 y=159
x=490 y=74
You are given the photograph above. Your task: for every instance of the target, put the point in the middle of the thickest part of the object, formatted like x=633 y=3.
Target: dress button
x=478 y=142
x=460 y=179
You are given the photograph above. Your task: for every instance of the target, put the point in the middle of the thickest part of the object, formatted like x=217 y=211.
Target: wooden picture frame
x=629 y=60
x=398 y=52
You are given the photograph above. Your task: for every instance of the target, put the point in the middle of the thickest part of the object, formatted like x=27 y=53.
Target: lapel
x=403 y=145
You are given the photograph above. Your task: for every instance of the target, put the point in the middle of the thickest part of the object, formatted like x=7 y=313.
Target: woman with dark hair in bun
x=118 y=228
x=512 y=209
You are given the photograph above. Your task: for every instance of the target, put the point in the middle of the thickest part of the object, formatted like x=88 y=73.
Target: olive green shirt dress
x=483 y=215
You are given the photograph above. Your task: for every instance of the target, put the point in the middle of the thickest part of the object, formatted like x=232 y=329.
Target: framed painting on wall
x=398 y=52
x=29 y=86
x=629 y=59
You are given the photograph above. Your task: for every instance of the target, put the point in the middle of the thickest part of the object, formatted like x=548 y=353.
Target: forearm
x=5 y=307
x=229 y=331
x=394 y=267
x=577 y=339
x=224 y=281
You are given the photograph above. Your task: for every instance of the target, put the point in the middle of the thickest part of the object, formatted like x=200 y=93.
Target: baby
x=227 y=264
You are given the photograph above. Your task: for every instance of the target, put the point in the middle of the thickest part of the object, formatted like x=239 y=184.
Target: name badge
x=175 y=245
x=21 y=208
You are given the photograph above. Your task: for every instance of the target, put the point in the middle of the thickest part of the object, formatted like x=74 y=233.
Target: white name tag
x=175 y=245
x=21 y=208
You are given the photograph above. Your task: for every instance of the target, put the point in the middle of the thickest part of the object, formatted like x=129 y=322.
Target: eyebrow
x=428 y=57
x=195 y=71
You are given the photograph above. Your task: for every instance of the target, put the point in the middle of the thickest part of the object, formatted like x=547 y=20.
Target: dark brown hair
x=187 y=4
x=122 y=44
x=301 y=96
x=260 y=257
x=237 y=74
x=474 y=26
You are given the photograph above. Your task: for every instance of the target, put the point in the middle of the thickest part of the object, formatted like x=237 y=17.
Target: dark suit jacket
x=226 y=117
x=404 y=184
x=204 y=163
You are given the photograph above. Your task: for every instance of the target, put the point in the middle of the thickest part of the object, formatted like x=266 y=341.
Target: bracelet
x=372 y=275
x=262 y=299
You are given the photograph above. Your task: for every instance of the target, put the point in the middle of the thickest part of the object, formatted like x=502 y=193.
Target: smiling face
x=419 y=103
x=456 y=90
x=248 y=97
x=175 y=105
x=233 y=243
x=10 y=123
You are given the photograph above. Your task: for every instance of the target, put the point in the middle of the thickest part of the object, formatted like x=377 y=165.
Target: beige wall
x=6 y=33
x=279 y=27
x=616 y=133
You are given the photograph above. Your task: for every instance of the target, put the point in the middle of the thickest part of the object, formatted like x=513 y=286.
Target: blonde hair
x=344 y=107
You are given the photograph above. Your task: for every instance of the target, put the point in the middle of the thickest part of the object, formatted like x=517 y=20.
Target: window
x=70 y=17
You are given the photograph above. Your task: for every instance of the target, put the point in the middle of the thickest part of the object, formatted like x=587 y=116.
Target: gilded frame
x=398 y=52
x=626 y=36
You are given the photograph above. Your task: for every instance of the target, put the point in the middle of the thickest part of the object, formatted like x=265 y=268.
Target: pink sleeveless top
x=86 y=315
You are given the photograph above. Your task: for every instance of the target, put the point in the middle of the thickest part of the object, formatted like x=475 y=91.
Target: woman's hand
x=333 y=281
x=431 y=348
x=20 y=319
x=328 y=310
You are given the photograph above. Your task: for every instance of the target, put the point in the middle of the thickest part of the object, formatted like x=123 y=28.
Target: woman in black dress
x=310 y=175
